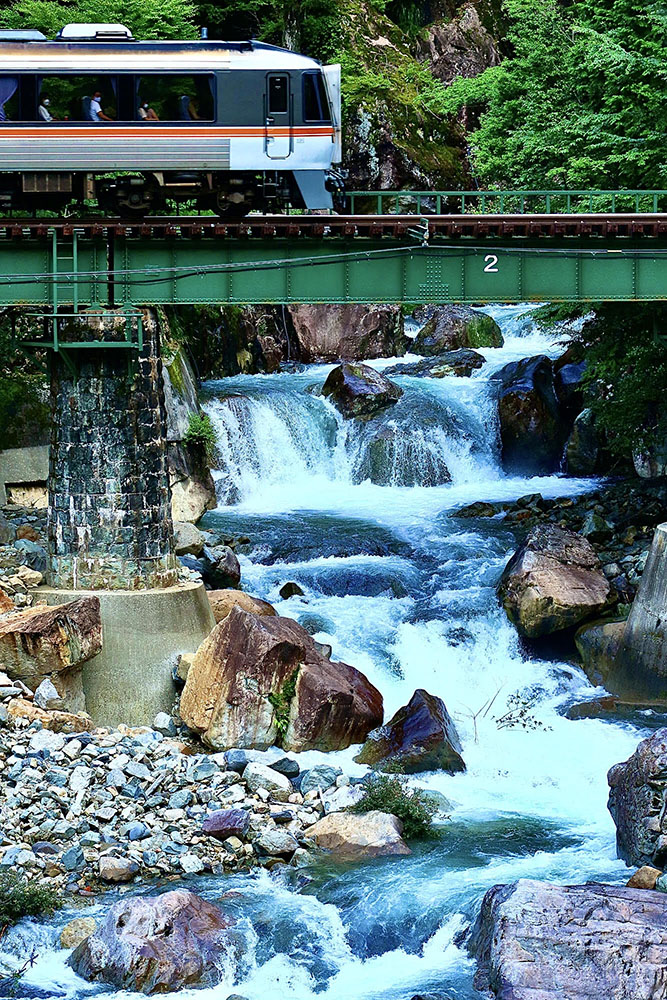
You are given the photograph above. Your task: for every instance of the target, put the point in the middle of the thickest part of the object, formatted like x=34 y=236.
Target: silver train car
x=95 y=116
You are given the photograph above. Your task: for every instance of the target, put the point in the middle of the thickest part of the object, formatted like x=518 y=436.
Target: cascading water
x=360 y=515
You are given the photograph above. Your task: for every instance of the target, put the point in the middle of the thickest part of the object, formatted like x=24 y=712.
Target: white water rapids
x=404 y=591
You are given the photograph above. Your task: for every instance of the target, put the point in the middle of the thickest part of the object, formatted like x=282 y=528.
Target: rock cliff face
x=637 y=790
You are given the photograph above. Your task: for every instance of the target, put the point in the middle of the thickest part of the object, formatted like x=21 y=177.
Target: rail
x=494 y=202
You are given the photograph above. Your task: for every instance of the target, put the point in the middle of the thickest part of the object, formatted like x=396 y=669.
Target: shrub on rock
x=258 y=681
x=553 y=581
x=419 y=737
x=359 y=391
x=155 y=944
x=413 y=806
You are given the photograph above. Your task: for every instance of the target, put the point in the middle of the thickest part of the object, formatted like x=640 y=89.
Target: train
x=95 y=117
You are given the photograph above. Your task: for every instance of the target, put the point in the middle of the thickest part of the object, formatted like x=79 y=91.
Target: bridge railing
x=504 y=202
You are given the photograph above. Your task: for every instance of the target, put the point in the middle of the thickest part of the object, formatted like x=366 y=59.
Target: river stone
x=450 y=327
x=321 y=777
x=117 y=869
x=461 y=363
x=419 y=737
x=222 y=602
x=46 y=695
x=644 y=878
x=638 y=791
x=253 y=673
x=276 y=843
x=553 y=581
x=359 y=391
x=535 y=941
x=533 y=428
x=258 y=776
x=584 y=449
x=353 y=838
x=225 y=823
x=155 y=944
x=220 y=568
x=348 y=332
x=76 y=931
x=188 y=540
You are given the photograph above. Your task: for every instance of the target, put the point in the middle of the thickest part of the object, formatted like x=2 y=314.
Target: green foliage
x=147 y=18
x=282 y=701
x=20 y=898
x=626 y=353
x=579 y=103
x=201 y=433
x=391 y=795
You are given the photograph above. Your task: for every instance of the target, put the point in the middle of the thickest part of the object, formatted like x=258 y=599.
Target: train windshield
x=315 y=101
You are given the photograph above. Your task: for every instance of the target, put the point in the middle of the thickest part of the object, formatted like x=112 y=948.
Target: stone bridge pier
x=110 y=529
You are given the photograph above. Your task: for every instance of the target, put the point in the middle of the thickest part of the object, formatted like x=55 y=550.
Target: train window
x=168 y=98
x=9 y=101
x=315 y=101
x=277 y=95
x=85 y=98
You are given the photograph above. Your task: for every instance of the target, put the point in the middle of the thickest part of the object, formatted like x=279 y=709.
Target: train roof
x=46 y=57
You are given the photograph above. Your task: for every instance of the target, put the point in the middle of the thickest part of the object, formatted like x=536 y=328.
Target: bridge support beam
x=109 y=509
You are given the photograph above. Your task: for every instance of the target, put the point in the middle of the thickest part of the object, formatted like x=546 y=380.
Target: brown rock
x=254 y=676
x=155 y=944
x=6 y=603
x=553 y=581
x=222 y=602
x=334 y=706
x=117 y=869
x=59 y=722
x=353 y=838
x=76 y=931
x=420 y=737
x=27 y=531
x=359 y=391
x=644 y=878
x=347 y=332
x=535 y=941
x=39 y=641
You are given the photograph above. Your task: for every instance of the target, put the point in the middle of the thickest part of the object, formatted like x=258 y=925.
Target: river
x=404 y=591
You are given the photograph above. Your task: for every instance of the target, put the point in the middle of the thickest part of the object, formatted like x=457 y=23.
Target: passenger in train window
x=44 y=111
x=146 y=112
x=188 y=109
x=95 y=110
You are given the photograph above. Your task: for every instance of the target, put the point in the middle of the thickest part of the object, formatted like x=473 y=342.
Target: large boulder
x=553 y=581
x=447 y=328
x=585 y=453
x=535 y=941
x=256 y=681
x=346 y=332
x=461 y=363
x=222 y=602
x=53 y=642
x=598 y=644
x=637 y=796
x=533 y=426
x=155 y=944
x=359 y=391
x=354 y=838
x=419 y=737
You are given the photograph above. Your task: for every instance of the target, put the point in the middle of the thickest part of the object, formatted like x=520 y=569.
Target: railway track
x=345 y=226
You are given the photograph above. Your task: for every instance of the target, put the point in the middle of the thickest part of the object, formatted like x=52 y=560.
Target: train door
x=278 y=120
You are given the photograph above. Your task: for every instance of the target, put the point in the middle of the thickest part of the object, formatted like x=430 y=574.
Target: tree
x=580 y=102
x=148 y=19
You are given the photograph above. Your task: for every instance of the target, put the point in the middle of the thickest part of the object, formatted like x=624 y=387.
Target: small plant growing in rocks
x=201 y=434
x=281 y=703
x=391 y=795
x=20 y=898
x=519 y=714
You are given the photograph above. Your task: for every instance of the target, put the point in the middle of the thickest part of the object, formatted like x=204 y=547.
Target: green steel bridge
x=394 y=247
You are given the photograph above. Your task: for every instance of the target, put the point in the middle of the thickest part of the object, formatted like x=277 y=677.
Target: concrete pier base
x=130 y=681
